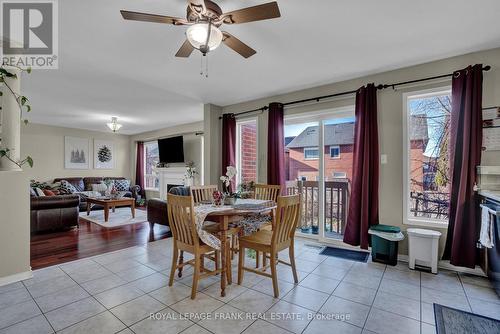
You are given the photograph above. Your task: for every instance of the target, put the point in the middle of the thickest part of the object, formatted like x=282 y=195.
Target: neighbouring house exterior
x=302 y=156
x=248 y=141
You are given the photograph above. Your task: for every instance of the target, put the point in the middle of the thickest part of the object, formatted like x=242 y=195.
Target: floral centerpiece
x=229 y=196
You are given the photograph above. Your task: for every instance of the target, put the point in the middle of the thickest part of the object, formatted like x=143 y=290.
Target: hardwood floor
x=88 y=240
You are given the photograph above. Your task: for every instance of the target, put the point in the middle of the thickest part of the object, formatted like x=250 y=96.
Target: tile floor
x=117 y=292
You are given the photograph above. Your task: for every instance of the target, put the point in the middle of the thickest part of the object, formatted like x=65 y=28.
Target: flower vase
x=230 y=200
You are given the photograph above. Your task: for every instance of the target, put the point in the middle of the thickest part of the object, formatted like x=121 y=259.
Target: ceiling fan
x=204 y=18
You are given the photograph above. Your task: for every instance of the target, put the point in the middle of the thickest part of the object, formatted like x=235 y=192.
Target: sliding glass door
x=318 y=160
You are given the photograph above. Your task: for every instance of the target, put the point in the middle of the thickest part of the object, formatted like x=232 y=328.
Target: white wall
x=45 y=144
x=14 y=227
x=192 y=147
x=390 y=112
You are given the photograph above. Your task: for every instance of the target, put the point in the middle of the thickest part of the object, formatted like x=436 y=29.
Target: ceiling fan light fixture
x=114 y=125
x=197 y=35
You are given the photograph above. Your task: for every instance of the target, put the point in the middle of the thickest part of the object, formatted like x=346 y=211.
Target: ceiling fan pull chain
x=201 y=64
x=206 y=69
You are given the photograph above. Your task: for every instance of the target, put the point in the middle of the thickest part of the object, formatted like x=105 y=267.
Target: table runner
x=250 y=223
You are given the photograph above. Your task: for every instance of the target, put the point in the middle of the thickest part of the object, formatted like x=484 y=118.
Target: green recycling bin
x=385 y=240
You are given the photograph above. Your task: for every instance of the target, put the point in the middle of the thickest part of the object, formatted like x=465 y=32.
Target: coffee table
x=110 y=203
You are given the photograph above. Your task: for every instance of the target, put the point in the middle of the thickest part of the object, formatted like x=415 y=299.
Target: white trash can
x=423 y=248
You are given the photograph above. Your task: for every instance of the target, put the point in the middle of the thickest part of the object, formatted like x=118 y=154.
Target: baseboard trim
x=448 y=266
x=16 y=277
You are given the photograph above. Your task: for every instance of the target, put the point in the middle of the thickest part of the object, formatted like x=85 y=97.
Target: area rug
x=453 y=321
x=121 y=217
x=345 y=254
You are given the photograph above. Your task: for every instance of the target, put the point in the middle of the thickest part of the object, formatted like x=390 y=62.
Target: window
x=335 y=152
x=151 y=158
x=426 y=165
x=246 y=150
x=311 y=153
x=339 y=175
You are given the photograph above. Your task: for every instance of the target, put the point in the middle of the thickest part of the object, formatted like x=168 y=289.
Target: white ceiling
x=112 y=67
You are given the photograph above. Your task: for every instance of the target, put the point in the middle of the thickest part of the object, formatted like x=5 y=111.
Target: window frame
x=339 y=177
x=311 y=148
x=239 y=123
x=407 y=218
x=145 y=160
x=334 y=147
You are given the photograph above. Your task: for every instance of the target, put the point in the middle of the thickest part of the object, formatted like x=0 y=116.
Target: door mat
x=450 y=320
x=345 y=254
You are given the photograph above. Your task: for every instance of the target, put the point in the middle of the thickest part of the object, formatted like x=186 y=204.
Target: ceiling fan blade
x=136 y=16
x=238 y=45
x=185 y=50
x=256 y=13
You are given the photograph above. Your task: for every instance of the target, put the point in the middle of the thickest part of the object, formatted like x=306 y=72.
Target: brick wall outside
x=417 y=149
x=248 y=152
x=299 y=167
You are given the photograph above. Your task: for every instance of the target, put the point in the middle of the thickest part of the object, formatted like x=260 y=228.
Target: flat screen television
x=171 y=149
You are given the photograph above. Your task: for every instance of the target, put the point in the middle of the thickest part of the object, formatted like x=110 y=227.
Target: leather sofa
x=85 y=184
x=53 y=212
x=157 y=210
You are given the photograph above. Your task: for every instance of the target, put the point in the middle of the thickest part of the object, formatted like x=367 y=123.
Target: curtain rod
x=196 y=133
x=380 y=86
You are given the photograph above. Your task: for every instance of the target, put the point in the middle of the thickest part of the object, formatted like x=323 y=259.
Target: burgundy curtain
x=363 y=202
x=465 y=155
x=139 y=167
x=228 y=143
x=276 y=146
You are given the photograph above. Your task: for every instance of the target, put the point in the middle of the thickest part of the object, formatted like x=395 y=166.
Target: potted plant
x=191 y=172
x=229 y=196
x=246 y=189
x=304 y=229
x=7 y=77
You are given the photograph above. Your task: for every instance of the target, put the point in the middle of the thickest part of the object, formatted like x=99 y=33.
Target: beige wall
x=45 y=144
x=390 y=111
x=14 y=227
x=193 y=145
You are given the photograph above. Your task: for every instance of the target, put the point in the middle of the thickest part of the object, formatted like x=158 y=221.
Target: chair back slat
x=268 y=192
x=202 y=193
x=181 y=219
x=287 y=218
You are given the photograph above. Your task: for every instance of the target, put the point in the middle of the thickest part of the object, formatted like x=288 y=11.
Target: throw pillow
x=48 y=192
x=67 y=187
x=99 y=187
x=122 y=185
x=32 y=192
x=39 y=192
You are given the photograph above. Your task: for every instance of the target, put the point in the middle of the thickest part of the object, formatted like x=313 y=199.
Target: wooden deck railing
x=336 y=204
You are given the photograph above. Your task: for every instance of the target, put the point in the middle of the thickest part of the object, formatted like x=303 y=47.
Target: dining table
x=225 y=216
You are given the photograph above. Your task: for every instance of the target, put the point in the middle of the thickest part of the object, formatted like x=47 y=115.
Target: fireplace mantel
x=173 y=176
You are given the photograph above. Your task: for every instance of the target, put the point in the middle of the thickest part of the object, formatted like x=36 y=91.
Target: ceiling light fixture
x=204 y=36
x=114 y=126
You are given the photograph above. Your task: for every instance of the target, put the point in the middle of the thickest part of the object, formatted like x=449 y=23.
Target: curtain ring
x=456 y=74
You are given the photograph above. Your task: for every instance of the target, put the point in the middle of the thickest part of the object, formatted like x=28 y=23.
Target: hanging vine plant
x=24 y=106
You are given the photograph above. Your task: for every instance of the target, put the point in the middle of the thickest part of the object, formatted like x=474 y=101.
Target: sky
x=296 y=129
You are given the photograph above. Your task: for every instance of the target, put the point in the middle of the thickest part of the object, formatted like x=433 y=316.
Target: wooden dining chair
x=185 y=238
x=202 y=193
x=272 y=242
x=267 y=192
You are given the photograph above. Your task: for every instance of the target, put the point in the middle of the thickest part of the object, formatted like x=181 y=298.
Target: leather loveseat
x=53 y=212
x=157 y=208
